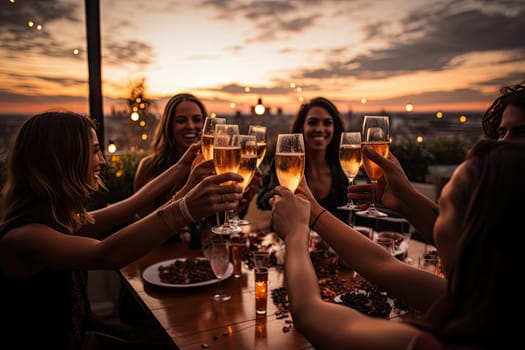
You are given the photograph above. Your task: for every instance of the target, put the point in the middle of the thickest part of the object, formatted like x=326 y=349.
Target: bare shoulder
x=145 y=162
x=144 y=171
x=32 y=231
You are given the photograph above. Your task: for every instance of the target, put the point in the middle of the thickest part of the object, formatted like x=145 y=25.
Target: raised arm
x=124 y=211
x=51 y=249
x=371 y=261
x=326 y=325
x=395 y=191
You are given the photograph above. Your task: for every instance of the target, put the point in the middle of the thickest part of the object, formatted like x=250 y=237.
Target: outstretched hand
x=391 y=186
x=209 y=196
x=189 y=157
x=290 y=213
x=199 y=171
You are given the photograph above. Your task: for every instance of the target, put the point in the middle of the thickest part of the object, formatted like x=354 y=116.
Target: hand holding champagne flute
x=376 y=133
x=350 y=159
x=290 y=160
x=226 y=158
x=247 y=169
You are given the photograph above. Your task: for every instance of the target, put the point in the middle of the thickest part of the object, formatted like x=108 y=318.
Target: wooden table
x=192 y=318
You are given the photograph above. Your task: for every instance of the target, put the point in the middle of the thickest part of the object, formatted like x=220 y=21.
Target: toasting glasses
x=376 y=134
x=350 y=159
x=289 y=160
x=208 y=132
x=259 y=132
x=247 y=169
x=226 y=158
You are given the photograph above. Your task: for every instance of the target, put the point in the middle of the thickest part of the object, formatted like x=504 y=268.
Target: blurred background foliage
x=416 y=157
x=119 y=174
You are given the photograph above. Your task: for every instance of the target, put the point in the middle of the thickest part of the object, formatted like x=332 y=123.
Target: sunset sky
x=439 y=55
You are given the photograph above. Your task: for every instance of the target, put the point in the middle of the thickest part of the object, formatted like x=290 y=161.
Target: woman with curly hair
x=504 y=120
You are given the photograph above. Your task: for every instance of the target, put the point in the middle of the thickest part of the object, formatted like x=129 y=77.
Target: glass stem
x=350 y=183
x=219 y=287
x=373 y=201
x=229 y=216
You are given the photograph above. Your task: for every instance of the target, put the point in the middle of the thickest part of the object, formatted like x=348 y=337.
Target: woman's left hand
x=289 y=212
x=189 y=157
x=197 y=173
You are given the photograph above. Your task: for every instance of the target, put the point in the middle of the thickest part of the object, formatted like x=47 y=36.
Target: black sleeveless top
x=335 y=198
x=47 y=310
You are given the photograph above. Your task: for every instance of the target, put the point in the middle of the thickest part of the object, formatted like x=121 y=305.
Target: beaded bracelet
x=184 y=210
x=316 y=218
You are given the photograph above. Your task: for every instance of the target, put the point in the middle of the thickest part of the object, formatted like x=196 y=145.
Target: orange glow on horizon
x=288 y=106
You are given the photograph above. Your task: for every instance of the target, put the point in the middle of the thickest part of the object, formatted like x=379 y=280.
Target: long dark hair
x=332 y=151
x=483 y=298
x=509 y=95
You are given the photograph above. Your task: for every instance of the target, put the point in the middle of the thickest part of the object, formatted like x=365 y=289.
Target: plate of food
x=183 y=273
x=372 y=303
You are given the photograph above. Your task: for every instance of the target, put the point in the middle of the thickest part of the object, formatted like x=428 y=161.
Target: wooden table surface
x=192 y=318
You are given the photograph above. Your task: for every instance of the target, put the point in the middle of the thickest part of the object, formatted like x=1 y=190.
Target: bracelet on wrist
x=160 y=214
x=185 y=211
x=317 y=218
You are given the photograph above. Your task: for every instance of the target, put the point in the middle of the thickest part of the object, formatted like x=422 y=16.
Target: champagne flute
x=350 y=159
x=249 y=153
x=259 y=132
x=376 y=133
x=290 y=160
x=219 y=256
x=226 y=158
x=208 y=131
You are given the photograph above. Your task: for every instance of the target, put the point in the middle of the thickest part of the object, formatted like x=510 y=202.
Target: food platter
x=151 y=275
x=375 y=304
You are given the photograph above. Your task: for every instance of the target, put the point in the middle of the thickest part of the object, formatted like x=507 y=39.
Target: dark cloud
x=239 y=89
x=17 y=36
x=270 y=19
x=509 y=79
x=63 y=81
x=9 y=97
x=442 y=38
x=439 y=97
x=128 y=52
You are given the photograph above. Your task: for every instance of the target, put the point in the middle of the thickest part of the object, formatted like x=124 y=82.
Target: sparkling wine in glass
x=208 y=131
x=247 y=167
x=376 y=134
x=259 y=132
x=219 y=256
x=290 y=160
x=226 y=158
x=350 y=159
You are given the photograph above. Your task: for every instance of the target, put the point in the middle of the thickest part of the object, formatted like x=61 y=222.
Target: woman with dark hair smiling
x=321 y=125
